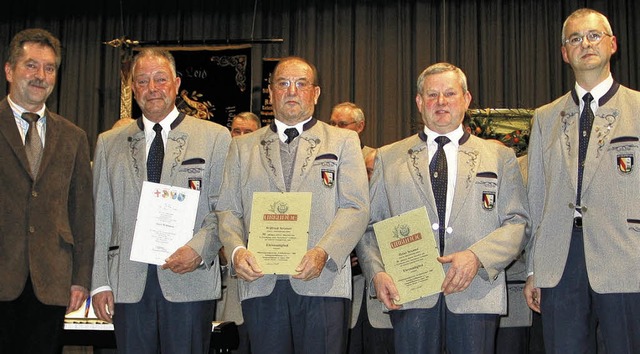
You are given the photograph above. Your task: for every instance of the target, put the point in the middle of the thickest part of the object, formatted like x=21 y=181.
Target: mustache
x=39 y=83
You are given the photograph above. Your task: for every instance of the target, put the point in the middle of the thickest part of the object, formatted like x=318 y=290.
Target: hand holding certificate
x=410 y=254
x=279 y=230
x=166 y=217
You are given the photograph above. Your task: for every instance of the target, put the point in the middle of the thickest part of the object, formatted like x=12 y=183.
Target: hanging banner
x=266 y=110
x=215 y=82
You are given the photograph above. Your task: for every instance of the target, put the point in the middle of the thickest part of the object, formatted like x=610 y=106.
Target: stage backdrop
x=216 y=83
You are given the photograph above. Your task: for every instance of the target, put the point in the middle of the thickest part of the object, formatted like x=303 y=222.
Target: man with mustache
x=46 y=210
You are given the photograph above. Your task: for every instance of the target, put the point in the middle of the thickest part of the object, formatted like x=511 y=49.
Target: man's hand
x=464 y=267
x=185 y=259
x=386 y=290
x=77 y=296
x=312 y=264
x=246 y=265
x=532 y=295
x=103 y=305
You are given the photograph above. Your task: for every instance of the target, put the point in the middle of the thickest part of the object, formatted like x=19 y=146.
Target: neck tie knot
x=587 y=98
x=291 y=134
x=157 y=128
x=442 y=141
x=30 y=117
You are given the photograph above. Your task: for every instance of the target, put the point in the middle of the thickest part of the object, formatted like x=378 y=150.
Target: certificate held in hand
x=279 y=230
x=409 y=254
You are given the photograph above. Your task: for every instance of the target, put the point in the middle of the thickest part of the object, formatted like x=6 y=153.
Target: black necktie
x=32 y=142
x=586 y=121
x=438 y=169
x=291 y=134
x=156 y=155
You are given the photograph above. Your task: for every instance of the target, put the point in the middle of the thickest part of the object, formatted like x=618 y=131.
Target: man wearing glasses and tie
x=584 y=263
x=306 y=311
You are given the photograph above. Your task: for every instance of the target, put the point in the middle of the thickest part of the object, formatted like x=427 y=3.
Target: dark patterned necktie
x=156 y=155
x=586 y=121
x=438 y=169
x=291 y=134
x=32 y=142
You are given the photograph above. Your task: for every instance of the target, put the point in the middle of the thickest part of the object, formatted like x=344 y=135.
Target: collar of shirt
x=597 y=92
x=281 y=127
x=454 y=136
x=149 y=133
x=23 y=125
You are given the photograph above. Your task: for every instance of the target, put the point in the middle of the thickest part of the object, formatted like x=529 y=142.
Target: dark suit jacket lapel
x=270 y=157
x=51 y=142
x=9 y=130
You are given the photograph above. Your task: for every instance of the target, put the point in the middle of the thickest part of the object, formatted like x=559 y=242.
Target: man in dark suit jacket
x=306 y=312
x=480 y=232
x=46 y=210
x=583 y=258
x=167 y=308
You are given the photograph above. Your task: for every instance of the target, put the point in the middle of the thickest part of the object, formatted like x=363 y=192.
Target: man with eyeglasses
x=305 y=312
x=369 y=329
x=584 y=263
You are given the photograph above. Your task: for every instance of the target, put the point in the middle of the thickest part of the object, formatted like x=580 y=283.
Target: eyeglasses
x=342 y=124
x=301 y=85
x=594 y=37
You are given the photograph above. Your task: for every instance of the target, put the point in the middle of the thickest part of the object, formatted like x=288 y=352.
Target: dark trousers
x=438 y=330
x=366 y=339
x=155 y=325
x=29 y=326
x=571 y=311
x=286 y=323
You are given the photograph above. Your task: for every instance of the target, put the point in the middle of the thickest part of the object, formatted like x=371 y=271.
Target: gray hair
x=248 y=116
x=356 y=112
x=586 y=12
x=441 y=68
x=158 y=53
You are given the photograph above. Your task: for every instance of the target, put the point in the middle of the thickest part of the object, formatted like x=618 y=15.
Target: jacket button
x=34 y=194
x=32 y=229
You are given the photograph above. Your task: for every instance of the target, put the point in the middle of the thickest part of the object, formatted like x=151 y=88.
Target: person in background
x=306 y=312
x=167 y=308
x=363 y=336
x=476 y=200
x=244 y=123
x=123 y=122
x=46 y=211
x=584 y=264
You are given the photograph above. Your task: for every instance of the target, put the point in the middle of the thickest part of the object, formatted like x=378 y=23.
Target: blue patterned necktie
x=32 y=142
x=438 y=169
x=586 y=121
x=156 y=155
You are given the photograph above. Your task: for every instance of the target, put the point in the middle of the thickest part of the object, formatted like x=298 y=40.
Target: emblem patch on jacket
x=195 y=183
x=488 y=200
x=328 y=177
x=625 y=163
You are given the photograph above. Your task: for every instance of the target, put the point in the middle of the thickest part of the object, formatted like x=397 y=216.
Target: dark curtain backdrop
x=369 y=51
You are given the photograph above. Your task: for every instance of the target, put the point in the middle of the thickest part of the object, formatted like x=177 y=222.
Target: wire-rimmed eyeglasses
x=594 y=37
